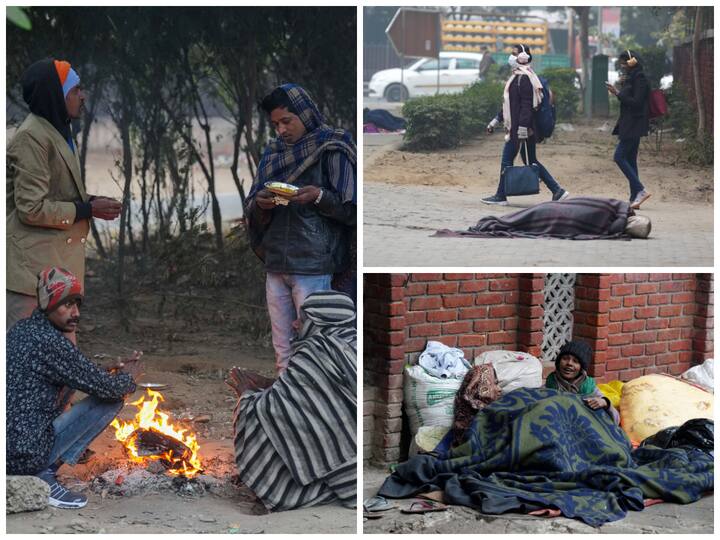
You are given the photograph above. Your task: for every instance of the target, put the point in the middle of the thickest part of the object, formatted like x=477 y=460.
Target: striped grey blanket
x=578 y=218
x=295 y=442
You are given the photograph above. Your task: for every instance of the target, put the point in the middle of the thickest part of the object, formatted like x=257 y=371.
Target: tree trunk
x=96 y=92
x=584 y=15
x=235 y=162
x=699 y=97
x=127 y=173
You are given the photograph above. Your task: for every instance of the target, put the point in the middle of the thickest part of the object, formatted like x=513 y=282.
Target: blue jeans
x=285 y=294
x=508 y=157
x=626 y=154
x=78 y=427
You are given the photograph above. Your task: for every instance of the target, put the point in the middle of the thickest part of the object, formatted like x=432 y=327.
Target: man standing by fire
x=40 y=362
x=48 y=210
x=304 y=242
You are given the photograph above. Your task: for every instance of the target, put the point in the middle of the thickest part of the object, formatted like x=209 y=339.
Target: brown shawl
x=478 y=389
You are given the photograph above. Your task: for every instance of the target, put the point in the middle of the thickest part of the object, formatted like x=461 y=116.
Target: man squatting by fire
x=41 y=362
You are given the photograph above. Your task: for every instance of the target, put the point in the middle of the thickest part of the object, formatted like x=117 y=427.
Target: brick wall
x=636 y=324
x=683 y=73
x=639 y=324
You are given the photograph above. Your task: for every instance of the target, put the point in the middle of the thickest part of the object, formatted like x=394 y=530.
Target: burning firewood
x=150 y=442
x=151 y=436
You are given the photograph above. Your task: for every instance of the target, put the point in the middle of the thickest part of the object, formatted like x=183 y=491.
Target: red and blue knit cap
x=68 y=76
x=55 y=287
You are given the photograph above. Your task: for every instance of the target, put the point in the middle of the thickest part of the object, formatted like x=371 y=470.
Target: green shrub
x=482 y=101
x=433 y=122
x=567 y=95
x=683 y=118
x=655 y=64
x=448 y=120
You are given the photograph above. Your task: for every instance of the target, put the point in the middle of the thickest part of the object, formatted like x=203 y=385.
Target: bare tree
x=699 y=97
x=583 y=13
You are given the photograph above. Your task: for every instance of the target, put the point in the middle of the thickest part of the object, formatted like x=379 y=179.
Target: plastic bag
x=428 y=400
x=514 y=369
x=696 y=433
x=704 y=375
x=612 y=391
x=652 y=403
x=442 y=361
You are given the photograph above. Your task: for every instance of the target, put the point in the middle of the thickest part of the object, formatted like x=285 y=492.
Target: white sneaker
x=639 y=199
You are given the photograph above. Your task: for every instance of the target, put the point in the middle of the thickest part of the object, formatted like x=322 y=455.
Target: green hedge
x=449 y=120
x=567 y=95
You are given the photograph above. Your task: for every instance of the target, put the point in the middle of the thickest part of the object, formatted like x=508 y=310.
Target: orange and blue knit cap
x=68 y=76
x=55 y=287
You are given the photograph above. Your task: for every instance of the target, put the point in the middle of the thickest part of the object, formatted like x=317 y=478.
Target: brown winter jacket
x=43 y=183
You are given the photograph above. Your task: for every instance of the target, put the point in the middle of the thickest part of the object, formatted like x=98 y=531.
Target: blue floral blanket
x=538 y=448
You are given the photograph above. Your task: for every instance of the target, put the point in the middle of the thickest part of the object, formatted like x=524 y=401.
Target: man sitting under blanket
x=295 y=443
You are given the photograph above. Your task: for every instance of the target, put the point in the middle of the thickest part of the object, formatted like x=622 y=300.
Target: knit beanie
x=580 y=350
x=55 y=287
x=68 y=76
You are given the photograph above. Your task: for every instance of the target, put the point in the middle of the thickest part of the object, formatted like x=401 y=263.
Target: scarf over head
x=45 y=85
x=478 y=389
x=519 y=71
x=282 y=162
x=56 y=286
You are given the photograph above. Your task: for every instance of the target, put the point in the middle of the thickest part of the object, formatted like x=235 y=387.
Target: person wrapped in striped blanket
x=295 y=437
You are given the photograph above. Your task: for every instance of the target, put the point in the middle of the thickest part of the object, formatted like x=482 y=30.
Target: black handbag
x=523 y=180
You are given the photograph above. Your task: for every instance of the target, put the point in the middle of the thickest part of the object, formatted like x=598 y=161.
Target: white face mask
x=512 y=61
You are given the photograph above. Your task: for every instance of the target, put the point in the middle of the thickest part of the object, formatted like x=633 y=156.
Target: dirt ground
x=191 y=353
x=695 y=518
x=407 y=196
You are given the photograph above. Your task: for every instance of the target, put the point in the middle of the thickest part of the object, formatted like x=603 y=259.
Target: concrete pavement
x=695 y=518
x=400 y=219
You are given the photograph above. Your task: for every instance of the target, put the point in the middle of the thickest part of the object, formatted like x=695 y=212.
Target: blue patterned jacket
x=40 y=361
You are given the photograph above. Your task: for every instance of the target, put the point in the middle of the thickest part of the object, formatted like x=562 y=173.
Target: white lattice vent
x=558 y=318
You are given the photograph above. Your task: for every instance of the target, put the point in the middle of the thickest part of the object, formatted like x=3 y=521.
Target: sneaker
x=561 y=195
x=494 y=199
x=639 y=199
x=60 y=496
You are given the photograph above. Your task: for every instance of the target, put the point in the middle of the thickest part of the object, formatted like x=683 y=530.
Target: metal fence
x=377 y=57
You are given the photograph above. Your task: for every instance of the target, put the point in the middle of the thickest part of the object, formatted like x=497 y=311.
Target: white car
x=457 y=71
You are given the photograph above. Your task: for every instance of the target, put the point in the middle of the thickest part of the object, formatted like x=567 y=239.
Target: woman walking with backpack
x=633 y=91
x=523 y=94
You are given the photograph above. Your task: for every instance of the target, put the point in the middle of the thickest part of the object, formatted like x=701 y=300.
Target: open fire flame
x=150 y=418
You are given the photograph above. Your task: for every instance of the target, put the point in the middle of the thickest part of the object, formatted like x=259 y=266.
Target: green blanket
x=537 y=448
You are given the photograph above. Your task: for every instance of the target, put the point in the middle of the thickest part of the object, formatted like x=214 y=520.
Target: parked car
x=457 y=71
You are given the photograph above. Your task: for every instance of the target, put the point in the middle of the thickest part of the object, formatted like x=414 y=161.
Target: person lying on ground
x=294 y=438
x=304 y=243
x=538 y=449
x=41 y=362
x=570 y=375
x=578 y=218
x=522 y=96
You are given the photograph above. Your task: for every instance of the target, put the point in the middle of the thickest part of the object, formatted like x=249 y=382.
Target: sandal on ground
x=423 y=507
x=377 y=504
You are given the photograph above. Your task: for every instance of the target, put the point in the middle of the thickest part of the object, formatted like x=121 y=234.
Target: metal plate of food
x=153 y=386
x=281 y=188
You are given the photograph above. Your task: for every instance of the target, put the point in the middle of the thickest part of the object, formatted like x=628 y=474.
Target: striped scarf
x=282 y=162
x=295 y=443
